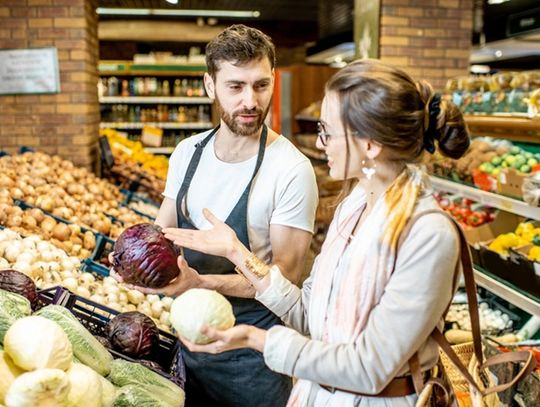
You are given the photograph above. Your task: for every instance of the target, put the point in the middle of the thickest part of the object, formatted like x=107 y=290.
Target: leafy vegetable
x=133 y=334
x=40 y=388
x=124 y=373
x=85 y=347
x=85 y=386
x=12 y=307
x=19 y=283
x=134 y=396
x=108 y=392
x=35 y=343
x=142 y=256
x=8 y=373
x=198 y=307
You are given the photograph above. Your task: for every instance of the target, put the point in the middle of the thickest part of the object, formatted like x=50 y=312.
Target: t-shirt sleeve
x=176 y=172
x=298 y=198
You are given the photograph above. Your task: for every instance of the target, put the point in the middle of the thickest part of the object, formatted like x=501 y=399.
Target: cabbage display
x=135 y=396
x=124 y=373
x=12 y=307
x=86 y=347
x=19 y=283
x=42 y=387
x=143 y=257
x=197 y=307
x=133 y=334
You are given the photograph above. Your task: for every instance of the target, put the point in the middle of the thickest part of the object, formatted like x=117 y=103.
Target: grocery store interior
x=96 y=94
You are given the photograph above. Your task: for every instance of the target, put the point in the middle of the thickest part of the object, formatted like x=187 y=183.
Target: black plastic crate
x=95 y=317
x=52 y=295
x=103 y=248
x=90 y=266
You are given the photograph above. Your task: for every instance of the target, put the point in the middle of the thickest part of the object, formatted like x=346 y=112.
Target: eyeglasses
x=322 y=134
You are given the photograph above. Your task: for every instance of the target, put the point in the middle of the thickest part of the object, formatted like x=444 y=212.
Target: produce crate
x=52 y=295
x=103 y=248
x=90 y=266
x=527 y=275
x=95 y=317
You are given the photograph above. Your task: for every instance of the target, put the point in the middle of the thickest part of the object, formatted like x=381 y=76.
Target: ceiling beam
x=142 y=30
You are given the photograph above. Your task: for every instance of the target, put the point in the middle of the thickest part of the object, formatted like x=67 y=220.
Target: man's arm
x=167 y=214
x=289 y=250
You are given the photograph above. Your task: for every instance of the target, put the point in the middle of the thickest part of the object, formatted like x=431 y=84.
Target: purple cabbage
x=133 y=334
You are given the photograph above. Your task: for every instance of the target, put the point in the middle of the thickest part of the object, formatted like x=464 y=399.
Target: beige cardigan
x=412 y=305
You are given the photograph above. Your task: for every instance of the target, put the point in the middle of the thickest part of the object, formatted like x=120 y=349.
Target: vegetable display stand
x=95 y=317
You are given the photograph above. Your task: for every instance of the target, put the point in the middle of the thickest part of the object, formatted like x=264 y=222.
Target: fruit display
x=525 y=233
x=132 y=153
x=468 y=213
x=516 y=158
x=491 y=320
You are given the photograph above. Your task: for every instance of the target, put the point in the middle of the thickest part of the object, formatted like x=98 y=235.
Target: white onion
x=70 y=283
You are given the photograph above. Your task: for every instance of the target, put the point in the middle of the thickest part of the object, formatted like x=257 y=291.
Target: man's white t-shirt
x=284 y=192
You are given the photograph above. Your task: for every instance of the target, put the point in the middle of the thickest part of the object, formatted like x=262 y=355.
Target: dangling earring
x=369 y=172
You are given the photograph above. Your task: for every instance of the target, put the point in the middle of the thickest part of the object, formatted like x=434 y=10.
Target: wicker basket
x=464 y=352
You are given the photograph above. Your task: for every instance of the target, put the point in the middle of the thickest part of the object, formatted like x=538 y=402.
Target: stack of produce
x=132 y=152
x=66 y=365
x=515 y=157
x=525 y=233
x=468 y=213
x=49 y=266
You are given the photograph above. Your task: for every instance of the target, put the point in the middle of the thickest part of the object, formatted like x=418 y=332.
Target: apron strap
x=190 y=172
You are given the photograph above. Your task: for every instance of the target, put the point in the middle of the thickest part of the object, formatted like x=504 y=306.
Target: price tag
x=152 y=136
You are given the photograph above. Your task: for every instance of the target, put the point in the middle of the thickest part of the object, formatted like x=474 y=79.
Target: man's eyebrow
x=233 y=82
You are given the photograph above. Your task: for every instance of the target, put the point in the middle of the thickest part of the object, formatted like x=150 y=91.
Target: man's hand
x=237 y=337
x=220 y=240
x=188 y=278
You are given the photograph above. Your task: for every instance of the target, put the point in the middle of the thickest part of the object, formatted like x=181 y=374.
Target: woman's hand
x=237 y=337
x=188 y=278
x=220 y=240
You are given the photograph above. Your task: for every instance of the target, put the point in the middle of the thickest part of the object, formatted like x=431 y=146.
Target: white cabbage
x=85 y=386
x=8 y=373
x=35 y=343
x=40 y=388
x=198 y=307
x=108 y=392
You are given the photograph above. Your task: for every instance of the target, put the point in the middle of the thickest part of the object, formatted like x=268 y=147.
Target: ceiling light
x=172 y=1
x=109 y=11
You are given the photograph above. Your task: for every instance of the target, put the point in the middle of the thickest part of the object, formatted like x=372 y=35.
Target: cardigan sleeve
x=410 y=308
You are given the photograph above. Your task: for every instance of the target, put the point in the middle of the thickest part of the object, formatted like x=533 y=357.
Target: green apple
x=496 y=171
x=532 y=162
x=515 y=150
x=496 y=161
x=525 y=168
x=528 y=155
x=510 y=160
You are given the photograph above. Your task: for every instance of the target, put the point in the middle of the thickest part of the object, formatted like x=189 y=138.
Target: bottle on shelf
x=165 y=90
x=177 y=87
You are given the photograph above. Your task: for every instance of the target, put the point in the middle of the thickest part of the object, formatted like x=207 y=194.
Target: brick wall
x=67 y=123
x=430 y=38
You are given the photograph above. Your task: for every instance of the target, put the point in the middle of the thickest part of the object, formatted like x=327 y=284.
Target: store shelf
x=161 y=125
x=312 y=153
x=487 y=198
x=510 y=127
x=130 y=68
x=494 y=285
x=159 y=150
x=179 y=100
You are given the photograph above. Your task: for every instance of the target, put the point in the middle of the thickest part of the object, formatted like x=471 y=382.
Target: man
x=262 y=187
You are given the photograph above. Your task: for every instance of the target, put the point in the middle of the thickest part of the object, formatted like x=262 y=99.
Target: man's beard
x=242 y=129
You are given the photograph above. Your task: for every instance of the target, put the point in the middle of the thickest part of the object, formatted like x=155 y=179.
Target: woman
x=367 y=307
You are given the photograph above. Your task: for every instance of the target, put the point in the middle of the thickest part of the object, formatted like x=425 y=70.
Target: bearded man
x=263 y=188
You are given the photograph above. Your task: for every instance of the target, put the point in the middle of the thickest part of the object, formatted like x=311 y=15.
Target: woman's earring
x=369 y=172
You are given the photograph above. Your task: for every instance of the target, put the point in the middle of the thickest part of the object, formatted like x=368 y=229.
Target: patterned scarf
x=345 y=298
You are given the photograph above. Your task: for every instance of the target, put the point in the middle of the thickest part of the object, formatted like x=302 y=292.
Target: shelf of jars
x=180 y=100
x=161 y=125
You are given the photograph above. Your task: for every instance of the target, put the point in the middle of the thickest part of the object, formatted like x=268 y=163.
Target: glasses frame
x=324 y=136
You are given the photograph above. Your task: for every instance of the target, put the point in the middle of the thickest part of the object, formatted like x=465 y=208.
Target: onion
x=48 y=224
x=61 y=231
x=29 y=222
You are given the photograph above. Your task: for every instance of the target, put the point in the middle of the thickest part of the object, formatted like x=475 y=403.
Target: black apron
x=239 y=377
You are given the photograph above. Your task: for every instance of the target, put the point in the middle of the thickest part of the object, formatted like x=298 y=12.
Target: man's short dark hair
x=239 y=45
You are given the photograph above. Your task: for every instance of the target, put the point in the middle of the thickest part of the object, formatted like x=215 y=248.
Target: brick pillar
x=431 y=39
x=66 y=123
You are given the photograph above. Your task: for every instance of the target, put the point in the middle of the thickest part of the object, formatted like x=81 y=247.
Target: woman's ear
x=209 y=86
x=373 y=149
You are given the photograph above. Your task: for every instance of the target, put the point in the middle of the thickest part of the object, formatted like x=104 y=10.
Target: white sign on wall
x=24 y=71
